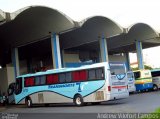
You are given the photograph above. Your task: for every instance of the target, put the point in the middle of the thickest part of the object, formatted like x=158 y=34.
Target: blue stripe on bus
x=145 y=86
x=84 y=88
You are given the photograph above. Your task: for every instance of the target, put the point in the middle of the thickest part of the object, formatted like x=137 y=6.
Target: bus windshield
x=18 y=86
x=130 y=75
x=155 y=73
x=117 y=69
x=137 y=74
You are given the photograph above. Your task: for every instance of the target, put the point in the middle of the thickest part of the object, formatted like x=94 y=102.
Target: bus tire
x=78 y=100
x=29 y=103
x=155 y=87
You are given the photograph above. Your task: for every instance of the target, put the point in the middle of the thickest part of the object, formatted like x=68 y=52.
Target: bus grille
x=99 y=95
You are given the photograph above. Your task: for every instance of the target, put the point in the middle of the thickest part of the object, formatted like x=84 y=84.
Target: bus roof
x=96 y=65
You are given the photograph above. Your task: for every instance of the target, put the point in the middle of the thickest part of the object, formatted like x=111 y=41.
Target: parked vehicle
x=131 y=81
x=156 y=78
x=143 y=80
x=91 y=83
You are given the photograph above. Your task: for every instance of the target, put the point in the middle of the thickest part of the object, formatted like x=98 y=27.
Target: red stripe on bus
x=119 y=86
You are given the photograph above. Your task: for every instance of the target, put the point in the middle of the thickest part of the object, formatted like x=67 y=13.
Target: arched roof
x=137 y=32
x=142 y=32
x=104 y=25
x=89 y=31
x=2 y=16
x=32 y=23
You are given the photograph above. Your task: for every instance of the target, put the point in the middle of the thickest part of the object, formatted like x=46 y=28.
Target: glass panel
x=137 y=75
x=68 y=77
x=49 y=79
x=52 y=79
x=75 y=76
x=130 y=75
x=55 y=78
x=62 y=78
x=37 y=80
x=43 y=80
x=99 y=73
x=155 y=73
x=117 y=68
x=29 y=81
x=83 y=75
x=92 y=74
x=18 y=86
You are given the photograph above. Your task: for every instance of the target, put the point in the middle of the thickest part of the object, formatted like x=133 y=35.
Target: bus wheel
x=29 y=103
x=78 y=100
x=155 y=88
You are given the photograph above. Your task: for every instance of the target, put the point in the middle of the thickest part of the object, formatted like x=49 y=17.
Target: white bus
x=91 y=83
x=131 y=82
x=156 y=78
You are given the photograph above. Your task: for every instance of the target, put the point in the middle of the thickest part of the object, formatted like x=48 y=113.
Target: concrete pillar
x=62 y=56
x=139 y=55
x=55 y=51
x=103 y=50
x=127 y=61
x=15 y=61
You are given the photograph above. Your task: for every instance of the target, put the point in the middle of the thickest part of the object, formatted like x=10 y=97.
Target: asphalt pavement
x=136 y=103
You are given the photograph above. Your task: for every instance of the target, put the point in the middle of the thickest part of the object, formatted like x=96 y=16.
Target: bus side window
x=62 y=78
x=52 y=79
x=79 y=75
x=68 y=77
x=42 y=80
x=83 y=75
x=99 y=74
x=91 y=74
x=76 y=76
x=29 y=81
x=37 y=80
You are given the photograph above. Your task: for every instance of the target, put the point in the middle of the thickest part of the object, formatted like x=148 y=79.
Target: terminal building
x=38 y=38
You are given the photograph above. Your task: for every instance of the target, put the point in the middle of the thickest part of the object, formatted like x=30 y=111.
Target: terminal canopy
x=36 y=23
x=90 y=30
x=137 y=32
x=2 y=16
x=31 y=24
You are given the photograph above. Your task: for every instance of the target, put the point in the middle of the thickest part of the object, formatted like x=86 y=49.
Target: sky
x=124 y=12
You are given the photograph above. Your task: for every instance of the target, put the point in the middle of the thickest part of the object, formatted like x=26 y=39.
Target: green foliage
x=145 y=67
x=154 y=115
x=148 y=67
x=157 y=110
